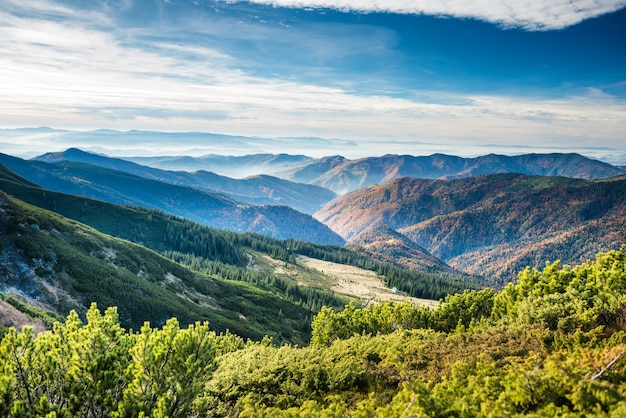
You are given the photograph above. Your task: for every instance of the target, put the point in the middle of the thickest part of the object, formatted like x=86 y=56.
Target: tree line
x=553 y=344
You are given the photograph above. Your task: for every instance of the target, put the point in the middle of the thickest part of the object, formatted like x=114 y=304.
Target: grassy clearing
x=355 y=282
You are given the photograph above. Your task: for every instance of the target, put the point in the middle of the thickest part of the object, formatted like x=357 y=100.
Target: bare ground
x=359 y=283
x=11 y=317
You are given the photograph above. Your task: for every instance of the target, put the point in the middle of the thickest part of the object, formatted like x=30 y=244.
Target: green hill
x=59 y=264
x=552 y=345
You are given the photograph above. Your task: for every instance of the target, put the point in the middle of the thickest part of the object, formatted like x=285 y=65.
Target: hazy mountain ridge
x=355 y=174
x=230 y=165
x=257 y=190
x=343 y=175
x=481 y=224
x=309 y=171
x=208 y=208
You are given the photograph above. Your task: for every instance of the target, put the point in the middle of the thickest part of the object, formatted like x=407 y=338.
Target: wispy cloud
x=526 y=14
x=87 y=76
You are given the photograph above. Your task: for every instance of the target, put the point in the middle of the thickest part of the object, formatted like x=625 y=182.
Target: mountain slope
x=203 y=207
x=252 y=258
x=385 y=244
x=309 y=171
x=484 y=224
x=59 y=264
x=354 y=174
x=257 y=190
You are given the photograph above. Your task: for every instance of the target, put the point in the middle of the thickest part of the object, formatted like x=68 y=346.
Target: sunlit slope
x=59 y=264
x=491 y=225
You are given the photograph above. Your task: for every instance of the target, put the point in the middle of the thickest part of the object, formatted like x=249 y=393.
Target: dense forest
x=223 y=253
x=492 y=225
x=553 y=344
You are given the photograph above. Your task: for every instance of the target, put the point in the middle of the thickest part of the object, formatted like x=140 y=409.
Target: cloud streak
x=84 y=76
x=526 y=14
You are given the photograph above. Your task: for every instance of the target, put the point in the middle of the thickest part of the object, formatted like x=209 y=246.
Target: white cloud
x=77 y=76
x=526 y=14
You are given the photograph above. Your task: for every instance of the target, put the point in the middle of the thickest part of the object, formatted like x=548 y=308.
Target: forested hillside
x=384 y=243
x=552 y=345
x=257 y=189
x=491 y=225
x=60 y=265
x=213 y=209
x=226 y=253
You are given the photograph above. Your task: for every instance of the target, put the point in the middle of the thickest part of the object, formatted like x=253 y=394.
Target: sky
x=314 y=77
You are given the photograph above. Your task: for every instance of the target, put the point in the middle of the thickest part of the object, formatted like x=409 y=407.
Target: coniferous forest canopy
x=553 y=344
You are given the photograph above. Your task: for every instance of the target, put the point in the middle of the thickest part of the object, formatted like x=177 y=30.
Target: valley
x=409 y=279
x=312 y=209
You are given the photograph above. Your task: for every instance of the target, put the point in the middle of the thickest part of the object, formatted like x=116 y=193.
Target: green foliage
x=93 y=267
x=99 y=369
x=168 y=369
x=462 y=310
x=478 y=354
x=563 y=298
x=73 y=370
x=383 y=318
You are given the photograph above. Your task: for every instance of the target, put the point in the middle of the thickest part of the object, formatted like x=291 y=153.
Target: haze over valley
x=278 y=208
x=437 y=213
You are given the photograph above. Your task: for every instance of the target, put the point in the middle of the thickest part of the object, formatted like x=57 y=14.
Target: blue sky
x=462 y=77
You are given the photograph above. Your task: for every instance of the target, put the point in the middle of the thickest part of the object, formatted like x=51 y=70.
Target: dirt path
x=360 y=283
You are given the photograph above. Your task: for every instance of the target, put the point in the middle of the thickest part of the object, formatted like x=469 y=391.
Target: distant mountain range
x=342 y=175
x=348 y=175
x=492 y=225
x=211 y=209
x=229 y=165
x=257 y=190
